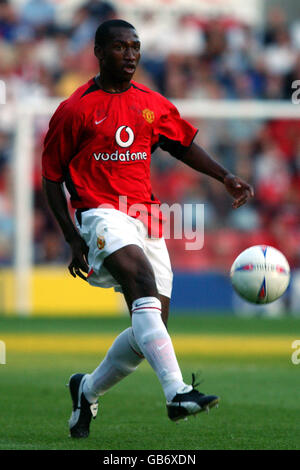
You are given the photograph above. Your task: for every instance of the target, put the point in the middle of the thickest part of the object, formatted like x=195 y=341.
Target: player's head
x=117 y=48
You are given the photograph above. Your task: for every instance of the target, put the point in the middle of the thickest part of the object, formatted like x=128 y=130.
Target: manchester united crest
x=100 y=242
x=148 y=115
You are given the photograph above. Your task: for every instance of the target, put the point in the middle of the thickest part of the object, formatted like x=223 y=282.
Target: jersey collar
x=110 y=92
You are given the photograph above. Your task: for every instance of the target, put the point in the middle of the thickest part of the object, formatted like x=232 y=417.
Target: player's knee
x=146 y=314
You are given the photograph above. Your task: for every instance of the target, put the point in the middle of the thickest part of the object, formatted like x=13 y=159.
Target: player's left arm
x=198 y=159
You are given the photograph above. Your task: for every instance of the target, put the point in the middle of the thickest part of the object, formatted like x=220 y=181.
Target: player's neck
x=111 y=86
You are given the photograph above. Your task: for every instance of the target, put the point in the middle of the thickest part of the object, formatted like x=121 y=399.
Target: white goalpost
x=22 y=117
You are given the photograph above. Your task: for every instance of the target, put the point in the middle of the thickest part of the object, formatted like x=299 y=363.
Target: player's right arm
x=58 y=204
x=59 y=147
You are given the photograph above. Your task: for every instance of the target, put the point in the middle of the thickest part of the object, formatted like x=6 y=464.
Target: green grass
x=259 y=407
x=209 y=324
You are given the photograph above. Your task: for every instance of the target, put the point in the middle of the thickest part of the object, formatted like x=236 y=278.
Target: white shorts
x=106 y=231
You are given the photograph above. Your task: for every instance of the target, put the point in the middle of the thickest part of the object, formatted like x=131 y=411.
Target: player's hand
x=79 y=264
x=239 y=189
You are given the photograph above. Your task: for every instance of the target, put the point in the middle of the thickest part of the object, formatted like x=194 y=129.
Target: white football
x=260 y=274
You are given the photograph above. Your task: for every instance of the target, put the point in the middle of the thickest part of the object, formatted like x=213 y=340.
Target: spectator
x=39 y=14
x=100 y=10
x=8 y=21
x=86 y=20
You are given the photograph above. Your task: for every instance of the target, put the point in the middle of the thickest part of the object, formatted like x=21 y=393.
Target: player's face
x=121 y=55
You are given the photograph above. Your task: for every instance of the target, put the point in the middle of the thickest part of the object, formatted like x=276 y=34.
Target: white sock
x=122 y=359
x=155 y=343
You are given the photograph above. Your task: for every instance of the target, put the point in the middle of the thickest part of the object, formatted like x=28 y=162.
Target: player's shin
x=156 y=345
x=122 y=359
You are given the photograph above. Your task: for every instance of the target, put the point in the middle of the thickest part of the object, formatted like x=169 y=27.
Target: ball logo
x=130 y=136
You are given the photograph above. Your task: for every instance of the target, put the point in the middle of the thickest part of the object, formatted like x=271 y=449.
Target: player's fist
x=238 y=189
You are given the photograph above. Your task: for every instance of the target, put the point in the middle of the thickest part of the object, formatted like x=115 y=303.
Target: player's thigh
x=133 y=271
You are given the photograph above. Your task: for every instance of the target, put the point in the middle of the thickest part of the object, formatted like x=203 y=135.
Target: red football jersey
x=100 y=145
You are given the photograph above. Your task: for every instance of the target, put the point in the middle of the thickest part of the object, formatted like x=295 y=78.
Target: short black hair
x=103 y=31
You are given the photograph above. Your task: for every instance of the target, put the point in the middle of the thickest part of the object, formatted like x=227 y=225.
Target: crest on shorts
x=100 y=242
x=148 y=115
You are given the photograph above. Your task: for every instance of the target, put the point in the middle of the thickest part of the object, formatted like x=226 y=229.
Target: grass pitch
x=247 y=362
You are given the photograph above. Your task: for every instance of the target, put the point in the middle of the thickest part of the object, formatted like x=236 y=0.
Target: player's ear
x=99 y=52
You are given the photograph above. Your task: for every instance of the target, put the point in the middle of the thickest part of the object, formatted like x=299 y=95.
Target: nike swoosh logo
x=98 y=122
x=143 y=303
x=161 y=347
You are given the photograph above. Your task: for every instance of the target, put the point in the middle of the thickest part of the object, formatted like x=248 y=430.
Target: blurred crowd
x=189 y=57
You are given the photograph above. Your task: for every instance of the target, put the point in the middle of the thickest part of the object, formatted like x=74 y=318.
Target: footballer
x=99 y=144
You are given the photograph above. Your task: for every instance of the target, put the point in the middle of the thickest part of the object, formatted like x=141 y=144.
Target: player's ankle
x=91 y=396
x=173 y=388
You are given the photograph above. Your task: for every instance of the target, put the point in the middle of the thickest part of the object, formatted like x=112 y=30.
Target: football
x=260 y=274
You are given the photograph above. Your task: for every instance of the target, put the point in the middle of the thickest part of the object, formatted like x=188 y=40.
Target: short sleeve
x=172 y=133
x=61 y=142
